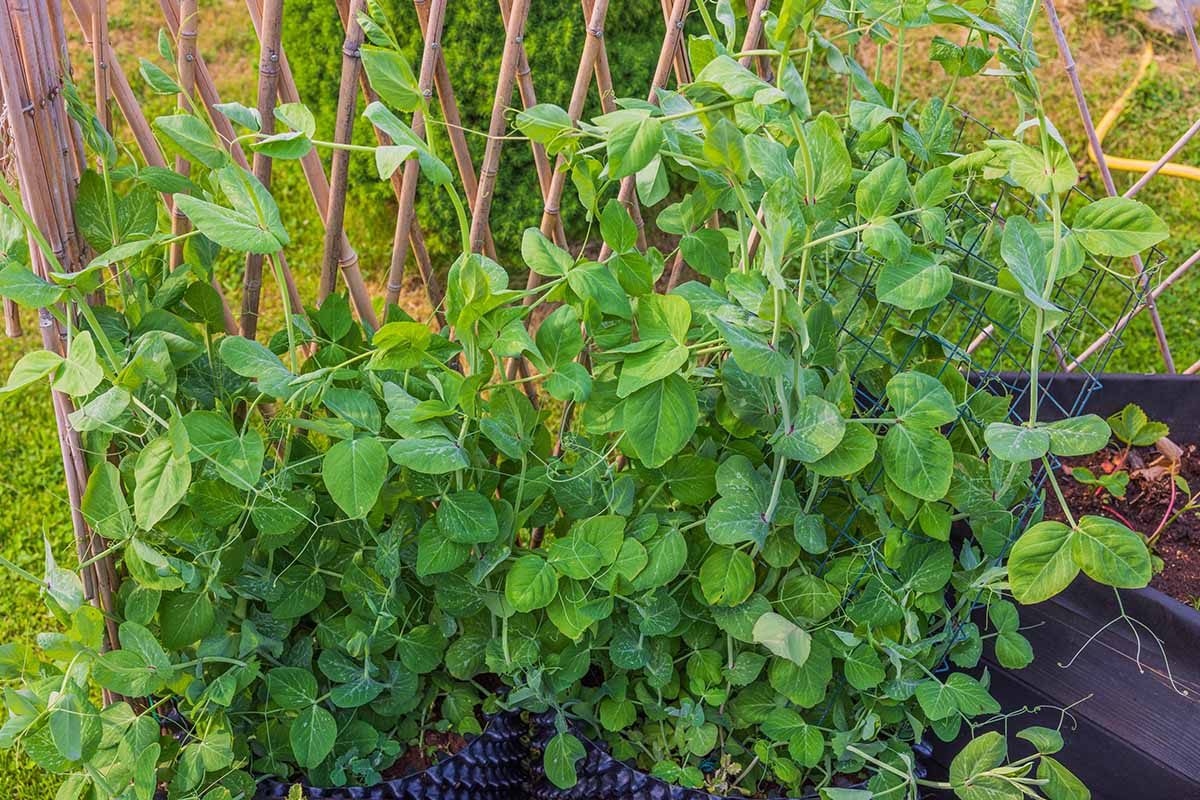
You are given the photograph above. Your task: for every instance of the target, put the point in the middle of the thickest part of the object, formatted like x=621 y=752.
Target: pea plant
x=747 y=527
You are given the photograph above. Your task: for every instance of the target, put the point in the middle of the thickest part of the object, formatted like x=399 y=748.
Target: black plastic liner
x=602 y=777
x=495 y=766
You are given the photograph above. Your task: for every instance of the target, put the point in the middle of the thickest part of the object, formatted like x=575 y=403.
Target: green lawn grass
x=32 y=499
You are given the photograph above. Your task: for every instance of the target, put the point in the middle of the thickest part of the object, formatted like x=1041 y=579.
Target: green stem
x=708 y=20
x=20 y=572
x=748 y=209
x=988 y=286
x=897 y=85
x=94 y=325
x=354 y=148
x=14 y=203
x=1062 y=501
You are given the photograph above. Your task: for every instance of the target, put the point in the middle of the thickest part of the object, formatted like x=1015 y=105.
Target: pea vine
x=750 y=528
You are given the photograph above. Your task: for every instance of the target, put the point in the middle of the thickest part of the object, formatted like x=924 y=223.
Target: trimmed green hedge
x=473 y=42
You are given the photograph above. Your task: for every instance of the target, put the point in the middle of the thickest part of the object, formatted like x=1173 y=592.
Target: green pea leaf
x=633 y=143
x=1111 y=553
x=186 y=618
x=33 y=367
x=531 y=583
x=291 y=688
x=1041 y=563
x=880 y=192
x=194 y=138
x=864 y=670
x=617 y=227
x=919 y=460
x=783 y=637
x=855 y=451
x=467 y=518
x=980 y=755
x=1061 y=783
x=1016 y=442
x=1118 y=226
x=227 y=227
x=437 y=553
x=162 y=475
x=354 y=470
x=921 y=400
x=816 y=428
x=725 y=148
x=19 y=284
x=562 y=753
x=104 y=504
x=432 y=456
x=158 y=80
x=546 y=124
x=590 y=546
x=1025 y=255
x=238 y=459
x=727 y=577
x=660 y=419
x=916 y=281
x=391 y=77
x=421 y=649
x=1013 y=650
x=543 y=256
x=125 y=672
x=707 y=252
x=831 y=163
x=1045 y=740
x=1078 y=436
x=312 y=735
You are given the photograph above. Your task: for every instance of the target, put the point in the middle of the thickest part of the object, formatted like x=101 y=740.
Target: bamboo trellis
x=50 y=159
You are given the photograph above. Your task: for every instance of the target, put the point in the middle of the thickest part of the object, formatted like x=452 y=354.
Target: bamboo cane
x=52 y=50
x=415 y=237
x=683 y=68
x=755 y=11
x=431 y=19
x=450 y=113
x=36 y=196
x=666 y=59
x=551 y=210
x=340 y=162
x=541 y=161
x=268 y=76
x=42 y=89
x=751 y=42
x=12 y=313
x=604 y=89
x=131 y=110
x=186 y=56
x=63 y=66
x=755 y=21
x=583 y=78
x=99 y=45
x=207 y=92
x=148 y=146
x=489 y=169
x=318 y=182
x=1124 y=321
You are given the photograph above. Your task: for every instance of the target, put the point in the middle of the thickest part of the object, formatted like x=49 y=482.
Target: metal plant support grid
x=983 y=347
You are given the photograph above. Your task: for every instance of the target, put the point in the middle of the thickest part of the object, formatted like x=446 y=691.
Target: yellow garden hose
x=1110 y=117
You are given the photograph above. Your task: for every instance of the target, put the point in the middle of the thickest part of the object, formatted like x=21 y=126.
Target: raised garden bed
x=1134 y=702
